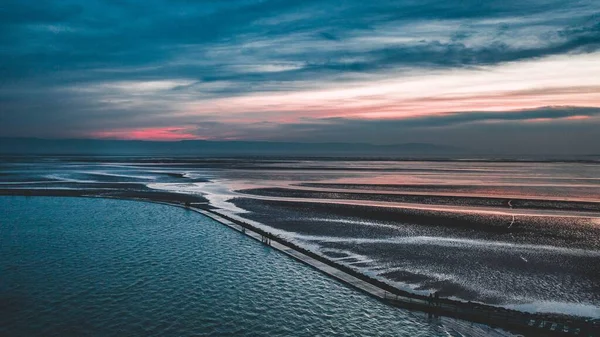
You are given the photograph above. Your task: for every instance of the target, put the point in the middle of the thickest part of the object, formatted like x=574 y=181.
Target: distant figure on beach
x=437 y=297
x=430 y=298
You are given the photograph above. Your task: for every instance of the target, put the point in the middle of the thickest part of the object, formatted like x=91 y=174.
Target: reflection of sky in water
x=144 y=269
x=484 y=262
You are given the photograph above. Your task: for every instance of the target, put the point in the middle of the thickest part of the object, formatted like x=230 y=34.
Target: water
x=98 y=267
x=515 y=234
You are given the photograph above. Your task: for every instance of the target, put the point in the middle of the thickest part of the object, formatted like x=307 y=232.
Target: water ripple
x=77 y=267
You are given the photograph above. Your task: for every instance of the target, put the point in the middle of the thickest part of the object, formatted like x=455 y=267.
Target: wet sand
x=430 y=199
x=519 y=235
x=511 y=320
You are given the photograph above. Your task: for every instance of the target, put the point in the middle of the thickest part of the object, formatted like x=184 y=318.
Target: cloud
x=294 y=68
x=167 y=133
x=547 y=131
x=317 y=128
x=338 y=129
x=31 y=12
x=538 y=114
x=325 y=36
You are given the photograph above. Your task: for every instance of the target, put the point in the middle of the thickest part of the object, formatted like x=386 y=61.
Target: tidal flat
x=515 y=234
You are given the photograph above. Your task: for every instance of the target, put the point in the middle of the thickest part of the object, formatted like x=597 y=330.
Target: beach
x=467 y=243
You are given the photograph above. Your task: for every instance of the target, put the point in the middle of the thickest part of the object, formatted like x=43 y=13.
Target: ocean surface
x=98 y=267
x=524 y=235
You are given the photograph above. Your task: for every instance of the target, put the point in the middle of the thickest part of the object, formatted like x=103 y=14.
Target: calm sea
x=97 y=267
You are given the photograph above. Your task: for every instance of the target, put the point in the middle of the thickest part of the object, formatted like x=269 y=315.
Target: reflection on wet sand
x=516 y=234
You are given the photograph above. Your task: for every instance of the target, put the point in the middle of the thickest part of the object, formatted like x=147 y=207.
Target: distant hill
x=25 y=146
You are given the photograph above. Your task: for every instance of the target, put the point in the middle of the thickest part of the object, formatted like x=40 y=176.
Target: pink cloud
x=163 y=133
x=285 y=108
x=570 y=118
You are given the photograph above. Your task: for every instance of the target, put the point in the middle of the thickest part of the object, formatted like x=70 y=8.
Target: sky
x=485 y=75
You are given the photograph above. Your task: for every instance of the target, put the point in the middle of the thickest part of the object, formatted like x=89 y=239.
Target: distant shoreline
x=593 y=159
x=512 y=320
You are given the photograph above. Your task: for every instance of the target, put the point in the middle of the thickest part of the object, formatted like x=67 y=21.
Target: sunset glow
x=382 y=72
x=168 y=133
